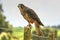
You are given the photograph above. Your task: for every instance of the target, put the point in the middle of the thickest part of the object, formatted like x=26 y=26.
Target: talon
x=29 y=26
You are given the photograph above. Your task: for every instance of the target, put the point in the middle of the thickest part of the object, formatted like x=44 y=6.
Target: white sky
x=47 y=10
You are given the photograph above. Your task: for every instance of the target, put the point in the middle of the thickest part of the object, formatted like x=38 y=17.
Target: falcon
x=31 y=17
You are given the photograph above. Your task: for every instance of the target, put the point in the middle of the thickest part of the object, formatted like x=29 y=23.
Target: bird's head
x=21 y=6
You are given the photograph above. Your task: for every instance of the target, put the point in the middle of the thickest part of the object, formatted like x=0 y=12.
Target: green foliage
x=3 y=38
x=58 y=33
x=1 y=8
x=4 y=25
x=18 y=31
x=56 y=27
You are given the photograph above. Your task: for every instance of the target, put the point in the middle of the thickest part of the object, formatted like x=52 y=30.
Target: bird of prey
x=31 y=17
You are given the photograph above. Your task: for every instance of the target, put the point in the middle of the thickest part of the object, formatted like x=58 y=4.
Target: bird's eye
x=21 y=6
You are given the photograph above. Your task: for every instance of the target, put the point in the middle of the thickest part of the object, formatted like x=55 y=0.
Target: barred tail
x=38 y=29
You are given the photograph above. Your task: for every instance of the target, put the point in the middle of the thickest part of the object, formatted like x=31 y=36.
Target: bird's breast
x=27 y=17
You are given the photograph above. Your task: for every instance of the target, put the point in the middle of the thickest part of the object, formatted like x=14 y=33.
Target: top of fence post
x=27 y=33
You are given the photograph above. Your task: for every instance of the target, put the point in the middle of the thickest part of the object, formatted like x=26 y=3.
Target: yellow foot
x=29 y=26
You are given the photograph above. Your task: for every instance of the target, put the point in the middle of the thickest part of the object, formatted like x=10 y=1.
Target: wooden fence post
x=51 y=36
x=27 y=33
